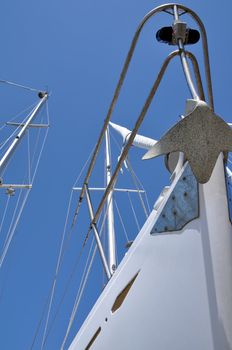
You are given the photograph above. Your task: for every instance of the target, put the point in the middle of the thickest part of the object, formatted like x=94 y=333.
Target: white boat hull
x=182 y=296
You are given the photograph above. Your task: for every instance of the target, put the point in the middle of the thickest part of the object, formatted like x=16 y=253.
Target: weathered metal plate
x=201 y=135
x=182 y=205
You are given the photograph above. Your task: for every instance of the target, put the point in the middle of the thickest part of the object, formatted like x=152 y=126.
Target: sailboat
x=22 y=142
x=173 y=287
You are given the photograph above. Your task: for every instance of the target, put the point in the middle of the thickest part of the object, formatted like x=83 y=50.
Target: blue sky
x=76 y=51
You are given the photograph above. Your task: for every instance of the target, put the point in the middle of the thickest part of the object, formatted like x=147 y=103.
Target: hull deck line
x=180 y=298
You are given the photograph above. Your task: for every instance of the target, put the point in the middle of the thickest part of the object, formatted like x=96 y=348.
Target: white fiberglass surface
x=178 y=301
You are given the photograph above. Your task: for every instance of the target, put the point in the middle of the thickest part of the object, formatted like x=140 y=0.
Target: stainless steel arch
x=156 y=10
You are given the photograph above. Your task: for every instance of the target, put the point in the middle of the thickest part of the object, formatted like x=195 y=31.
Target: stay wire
x=12 y=135
x=133 y=210
x=11 y=223
x=51 y=290
x=58 y=265
x=28 y=156
x=40 y=321
x=67 y=285
x=48 y=113
x=14 y=132
x=14 y=228
x=82 y=287
x=58 y=307
x=18 y=114
x=37 y=143
x=78 y=298
x=60 y=258
x=65 y=291
x=83 y=167
x=39 y=156
x=63 y=248
x=4 y=213
x=121 y=220
x=19 y=85
x=135 y=178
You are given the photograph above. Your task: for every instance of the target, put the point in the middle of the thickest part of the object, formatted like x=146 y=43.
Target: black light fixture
x=166 y=35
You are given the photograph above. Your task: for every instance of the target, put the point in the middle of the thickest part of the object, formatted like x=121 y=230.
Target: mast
x=7 y=155
x=110 y=209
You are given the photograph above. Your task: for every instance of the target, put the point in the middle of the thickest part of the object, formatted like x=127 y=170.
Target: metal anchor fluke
x=201 y=135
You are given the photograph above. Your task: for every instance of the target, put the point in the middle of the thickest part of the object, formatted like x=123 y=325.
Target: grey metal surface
x=135 y=130
x=182 y=205
x=110 y=208
x=13 y=146
x=153 y=12
x=180 y=33
x=97 y=237
x=229 y=194
x=201 y=136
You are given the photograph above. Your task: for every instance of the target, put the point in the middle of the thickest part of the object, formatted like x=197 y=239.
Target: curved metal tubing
x=184 y=60
x=197 y=74
x=134 y=132
x=205 y=52
x=123 y=74
x=141 y=118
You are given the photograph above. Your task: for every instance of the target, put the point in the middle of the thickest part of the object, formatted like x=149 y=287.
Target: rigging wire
x=84 y=166
x=66 y=288
x=40 y=321
x=37 y=142
x=14 y=132
x=18 y=114
x=82 y=287
x=19 y=85
x=121 y=220
x=137 y=182
x=50 y=295
x=136 y=186
x=80 y=199
x=11 y=136
x=4 y=213
x=16 y=218
x=5 y=281
x=133 y=210
x=12 y=220
x=76 y=304
x=39 y=156
x=58 y=265
x=78 y=298
x=68 y=283
x=139 y=186
x=28 y=156
x=11 y=233
x=83 y=280
x=63 y=248
x=63 y=295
